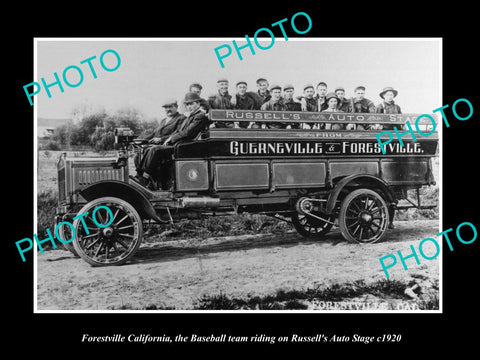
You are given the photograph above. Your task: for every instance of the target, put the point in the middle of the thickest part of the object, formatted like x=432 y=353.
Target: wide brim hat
x=389 y=88
x=191 y=97
x=330 y=96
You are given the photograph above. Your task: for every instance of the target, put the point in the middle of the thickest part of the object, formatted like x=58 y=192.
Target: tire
x=114 y=244
x=311 y=227
x=363 y=217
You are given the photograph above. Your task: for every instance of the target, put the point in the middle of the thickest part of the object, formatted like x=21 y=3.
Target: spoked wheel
x=309 y=221
x=363 y=216
x=114 y=238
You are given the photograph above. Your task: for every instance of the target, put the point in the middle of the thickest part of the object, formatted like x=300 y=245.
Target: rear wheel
x=309 y=221
x=114 y=238
x=363 y=216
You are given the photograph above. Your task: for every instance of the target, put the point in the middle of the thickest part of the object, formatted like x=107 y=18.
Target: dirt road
x=178 y=273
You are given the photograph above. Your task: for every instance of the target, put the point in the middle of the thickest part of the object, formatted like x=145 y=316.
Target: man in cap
x=263 y=93
x=290 y=103
x=343 y=103
x=320 y=96
x=275 y=104
x=388 y=106
x=157 y=164
x=166 y=127
x=221 y=100
x=241 y=101
x=360 y=104
x=308 y=101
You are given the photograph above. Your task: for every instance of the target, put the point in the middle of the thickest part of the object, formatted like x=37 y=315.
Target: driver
x=165 y=128
x=155 y=163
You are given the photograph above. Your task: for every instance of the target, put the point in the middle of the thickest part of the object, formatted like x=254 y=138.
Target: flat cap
x=241 y=82
x=273 y=87
x=261 y=79
x=288 y=86
x=339 y=88
x=222 y=80
x=197 y=85
x=307 y=86
x=170 y=102
x=360 y=88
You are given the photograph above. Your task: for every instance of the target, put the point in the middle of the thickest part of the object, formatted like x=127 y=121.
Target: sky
x=155 y=70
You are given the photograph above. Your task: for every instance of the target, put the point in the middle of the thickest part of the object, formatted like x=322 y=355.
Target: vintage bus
x=313 y=178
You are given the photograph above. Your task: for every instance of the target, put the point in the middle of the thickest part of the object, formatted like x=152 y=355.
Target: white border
x=439 y=181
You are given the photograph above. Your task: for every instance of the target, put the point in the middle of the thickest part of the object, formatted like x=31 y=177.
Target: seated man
x=166 y=127
x=332 y=100
x=275 y=104
x=388 y=106
x=156 y=164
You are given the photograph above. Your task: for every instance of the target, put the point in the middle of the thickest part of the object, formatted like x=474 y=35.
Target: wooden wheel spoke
x=126 y=216
x=121 y=242
x=125 y=227
x=98 y=250
x=92 y=244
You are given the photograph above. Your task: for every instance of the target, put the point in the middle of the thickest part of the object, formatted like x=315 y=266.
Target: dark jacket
x=265 y=97
x=291 y=105
x=344 y=105
x=275 y=106
x=244 y=103
x=219 y=101
x=388 y=108
x=164 y=129
x=362 y=106
x=195 y=123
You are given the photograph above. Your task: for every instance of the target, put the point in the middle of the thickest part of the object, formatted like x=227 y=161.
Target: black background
x=51 y=334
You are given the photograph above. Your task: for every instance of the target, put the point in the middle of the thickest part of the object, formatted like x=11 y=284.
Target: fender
x=360 y=179
x=125 y=192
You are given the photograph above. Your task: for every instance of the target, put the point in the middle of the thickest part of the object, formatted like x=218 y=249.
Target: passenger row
x=276 y=98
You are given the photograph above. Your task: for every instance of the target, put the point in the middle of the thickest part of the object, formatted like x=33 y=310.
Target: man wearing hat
x=263 y=93
x=320 y=96
x=290 y=103
x=332 y=100
x=343 y=104
x=197 y=89
x=308 y=101
x=221 y=100
x=156 y=165
x=241 y=101
x=388 y=106
x=360 y=104
x=166 y=127
x=275 y=104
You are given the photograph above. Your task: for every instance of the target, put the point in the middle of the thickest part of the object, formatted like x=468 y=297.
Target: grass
x=384 y=290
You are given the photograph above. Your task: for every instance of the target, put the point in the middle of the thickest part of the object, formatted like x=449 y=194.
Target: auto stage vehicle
x=312 y=177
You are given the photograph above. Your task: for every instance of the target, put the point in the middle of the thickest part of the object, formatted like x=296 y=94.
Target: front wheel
x=113 y=238
x=363 y=216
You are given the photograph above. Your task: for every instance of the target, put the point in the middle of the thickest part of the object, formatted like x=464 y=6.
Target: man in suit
x=165 y=128
x=155 y=166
